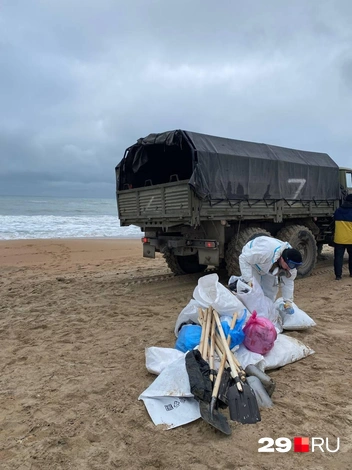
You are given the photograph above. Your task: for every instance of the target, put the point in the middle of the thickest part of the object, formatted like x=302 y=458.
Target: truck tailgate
x=171 y=202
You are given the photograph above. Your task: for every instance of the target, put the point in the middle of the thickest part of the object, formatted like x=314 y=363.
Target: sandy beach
x=75 y=319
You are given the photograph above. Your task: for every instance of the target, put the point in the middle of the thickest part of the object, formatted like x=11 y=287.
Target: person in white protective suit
x=274 y=264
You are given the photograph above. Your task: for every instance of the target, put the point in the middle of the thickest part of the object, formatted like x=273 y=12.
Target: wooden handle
x=219 y=347
x=241 y=371
x=228 y=353
x=202 y=319
x=232 y=326
x=217 y=340
x=223 y=357
x=205 y=322
x=207 y=331
x=212 y=346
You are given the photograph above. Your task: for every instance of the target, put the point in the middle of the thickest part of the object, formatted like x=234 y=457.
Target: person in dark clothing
x=343 y=236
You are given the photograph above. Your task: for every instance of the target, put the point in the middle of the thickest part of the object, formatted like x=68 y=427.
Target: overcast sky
x=82 y=80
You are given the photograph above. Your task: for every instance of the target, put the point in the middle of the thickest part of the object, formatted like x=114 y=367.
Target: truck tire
x=235 y=246
x=301 y=238
x=183 y=264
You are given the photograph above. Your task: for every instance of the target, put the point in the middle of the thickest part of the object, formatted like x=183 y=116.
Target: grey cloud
x=79 y=85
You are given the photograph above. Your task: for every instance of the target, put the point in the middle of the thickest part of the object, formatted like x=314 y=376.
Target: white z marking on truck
x=149 y=203
x=301 y=182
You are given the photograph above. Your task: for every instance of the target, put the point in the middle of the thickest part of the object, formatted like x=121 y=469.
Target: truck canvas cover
x=218 y=168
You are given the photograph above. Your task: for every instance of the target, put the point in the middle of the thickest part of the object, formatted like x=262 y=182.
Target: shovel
x=255 y=385
x=208 y=411
x=226 y=377
x=243 y=405
x=242 y=401
x=215 y=418
x=218 y=382
x=212 y=347
x=240 y=395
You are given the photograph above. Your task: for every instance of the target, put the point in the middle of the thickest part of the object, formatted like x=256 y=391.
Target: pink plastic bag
x=260 y=334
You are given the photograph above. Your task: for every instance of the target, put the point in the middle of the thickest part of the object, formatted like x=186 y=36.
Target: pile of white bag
x=254 y=299
x=168 y=399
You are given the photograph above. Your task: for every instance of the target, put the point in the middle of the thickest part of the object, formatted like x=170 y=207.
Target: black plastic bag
x=199 y=376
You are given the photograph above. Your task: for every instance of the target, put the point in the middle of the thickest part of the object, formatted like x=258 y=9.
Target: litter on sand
x=226 y=340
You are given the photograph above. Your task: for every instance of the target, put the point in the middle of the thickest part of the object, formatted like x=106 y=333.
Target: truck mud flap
x=209 y=256
x=148 y=250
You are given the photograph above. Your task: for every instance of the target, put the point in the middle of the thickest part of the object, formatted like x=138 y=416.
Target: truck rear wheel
x=301 y=238
x=183 y=264
x=235 y=246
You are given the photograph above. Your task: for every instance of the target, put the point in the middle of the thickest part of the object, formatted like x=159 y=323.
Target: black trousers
x=339 y=251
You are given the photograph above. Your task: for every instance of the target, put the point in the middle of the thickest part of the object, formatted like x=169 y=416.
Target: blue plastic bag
x=237 y=334
x=188 y=337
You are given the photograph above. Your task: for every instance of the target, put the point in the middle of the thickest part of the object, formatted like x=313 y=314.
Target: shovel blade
x=226 y=380
x=243 y=405
x=214 y=418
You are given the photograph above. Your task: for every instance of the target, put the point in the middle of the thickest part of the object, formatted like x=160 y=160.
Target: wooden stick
x=219 y=347
x=207 y=331
x=203 y=325
x=229 y=354
x=217 y=340
x=203 y=320
x=200 y=315
x=223 y=360
x=212 y=346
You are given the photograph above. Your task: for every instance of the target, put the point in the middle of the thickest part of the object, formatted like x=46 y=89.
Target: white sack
x=172 y=381
x=169 y=399
x=286 y=350
x=246 y=357
x=210 y=291
x=156 y=359
x=172 y=411
x=188 y=314
x=297 y=321
x=254 y=299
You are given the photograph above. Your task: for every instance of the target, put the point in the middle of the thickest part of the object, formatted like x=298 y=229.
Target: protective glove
x=286 y=307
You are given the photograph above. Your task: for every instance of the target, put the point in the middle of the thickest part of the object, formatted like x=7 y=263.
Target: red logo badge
x=301 y=444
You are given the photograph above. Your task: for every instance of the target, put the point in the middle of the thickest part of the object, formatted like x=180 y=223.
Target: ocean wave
x=51 y=226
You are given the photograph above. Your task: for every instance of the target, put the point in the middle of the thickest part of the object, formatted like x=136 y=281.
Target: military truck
x=199 y=198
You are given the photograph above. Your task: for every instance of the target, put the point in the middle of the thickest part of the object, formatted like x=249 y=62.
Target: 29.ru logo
x=300 y=444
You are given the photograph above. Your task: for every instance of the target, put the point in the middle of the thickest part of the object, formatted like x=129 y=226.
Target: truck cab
x=345 y=177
